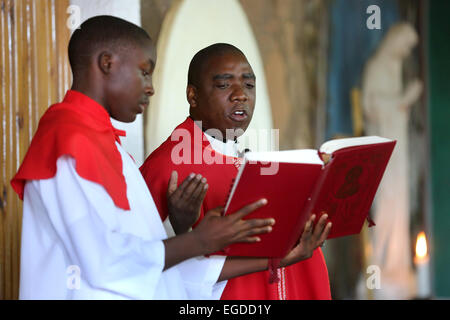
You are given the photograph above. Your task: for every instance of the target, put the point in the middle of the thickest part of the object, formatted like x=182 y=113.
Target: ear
x=105 y=61
x=191 y=94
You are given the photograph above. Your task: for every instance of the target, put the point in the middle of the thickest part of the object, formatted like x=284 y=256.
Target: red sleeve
x=156 y=173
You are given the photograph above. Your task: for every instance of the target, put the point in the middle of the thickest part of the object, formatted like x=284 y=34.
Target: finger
x=238 y=215
x=309 y=224
x=247 y=240
x=307 y=230
x=255 y=225
x=258 y=230
x=189 y=191
x=202 y=194
x=199 y=190
x=325 y=233
x=191 y=185
x=320 y=226
x=181 y=189
x=173 y=182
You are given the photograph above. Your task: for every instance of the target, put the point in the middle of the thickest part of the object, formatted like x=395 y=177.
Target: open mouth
x=143 y=105
x=238 y=115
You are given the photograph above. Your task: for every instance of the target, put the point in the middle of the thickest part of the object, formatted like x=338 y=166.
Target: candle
x=422 y=262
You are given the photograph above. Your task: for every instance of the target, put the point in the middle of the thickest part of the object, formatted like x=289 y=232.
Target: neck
x=204 y=129
x=87 y=88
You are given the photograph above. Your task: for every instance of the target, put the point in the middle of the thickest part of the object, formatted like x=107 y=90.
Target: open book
x=340 y=179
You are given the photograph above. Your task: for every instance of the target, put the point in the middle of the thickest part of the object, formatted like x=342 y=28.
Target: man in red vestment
x=221 y=94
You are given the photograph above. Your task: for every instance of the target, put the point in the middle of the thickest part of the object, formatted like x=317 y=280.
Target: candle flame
x=421 y=245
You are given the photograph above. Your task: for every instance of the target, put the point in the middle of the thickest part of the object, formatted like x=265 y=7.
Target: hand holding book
x=312 y=237
x=216 y=231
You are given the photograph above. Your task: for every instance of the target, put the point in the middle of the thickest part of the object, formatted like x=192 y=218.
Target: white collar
x=229 y=148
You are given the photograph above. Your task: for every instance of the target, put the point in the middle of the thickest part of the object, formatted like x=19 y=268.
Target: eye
x=222 y=85
x=146 y=73
x=250 y=85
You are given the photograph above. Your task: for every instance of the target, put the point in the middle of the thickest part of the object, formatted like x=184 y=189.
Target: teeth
x=239 y=112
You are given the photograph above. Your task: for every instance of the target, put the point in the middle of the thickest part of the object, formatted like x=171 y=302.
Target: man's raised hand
x=184 y=202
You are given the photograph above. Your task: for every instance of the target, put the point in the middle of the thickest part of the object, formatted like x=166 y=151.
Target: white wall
x=130 y=11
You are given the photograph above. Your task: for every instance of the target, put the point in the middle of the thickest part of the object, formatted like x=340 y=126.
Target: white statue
x=386 y=106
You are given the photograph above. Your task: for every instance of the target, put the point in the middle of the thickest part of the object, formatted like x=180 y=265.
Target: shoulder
x=160 y=154
x=163 y=160
x=66 y=125
x=158 y=163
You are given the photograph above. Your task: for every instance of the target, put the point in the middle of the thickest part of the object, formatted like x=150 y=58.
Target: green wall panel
x=439 y=124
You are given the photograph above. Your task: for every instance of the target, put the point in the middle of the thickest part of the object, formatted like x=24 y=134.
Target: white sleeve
x=200 y=277
x=169 y=229
x=200 y=274
x=86 y=221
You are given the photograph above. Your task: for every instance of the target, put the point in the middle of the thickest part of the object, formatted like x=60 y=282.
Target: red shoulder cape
x=81 y=128
x=305 y=280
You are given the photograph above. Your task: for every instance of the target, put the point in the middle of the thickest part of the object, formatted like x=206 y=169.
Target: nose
x=149 y=90
x=238 y=94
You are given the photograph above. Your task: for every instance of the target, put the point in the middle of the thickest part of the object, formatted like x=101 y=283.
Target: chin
x=240 y=131
x=128 y=119
x=244 y=127
x=131 y=119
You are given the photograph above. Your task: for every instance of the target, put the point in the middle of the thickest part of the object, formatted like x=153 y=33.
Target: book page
x=337 y=144
x=290 y=156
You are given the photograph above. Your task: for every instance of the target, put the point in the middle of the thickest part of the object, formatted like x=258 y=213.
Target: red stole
x=81 y=128
x=305 y=280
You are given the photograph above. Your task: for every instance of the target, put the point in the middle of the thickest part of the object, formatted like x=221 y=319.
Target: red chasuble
x=81 y=128
x=191 y=152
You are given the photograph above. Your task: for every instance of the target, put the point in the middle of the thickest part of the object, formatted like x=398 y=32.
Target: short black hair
x=201 y=57
x=107 y=32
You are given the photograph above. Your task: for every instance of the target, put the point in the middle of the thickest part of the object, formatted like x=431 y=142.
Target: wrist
x=194 y=241
x=182 y=247
x=178 y=227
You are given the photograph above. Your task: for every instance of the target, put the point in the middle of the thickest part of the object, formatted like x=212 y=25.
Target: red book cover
x=347 y=186
x=344 y=188
x=287 y=193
